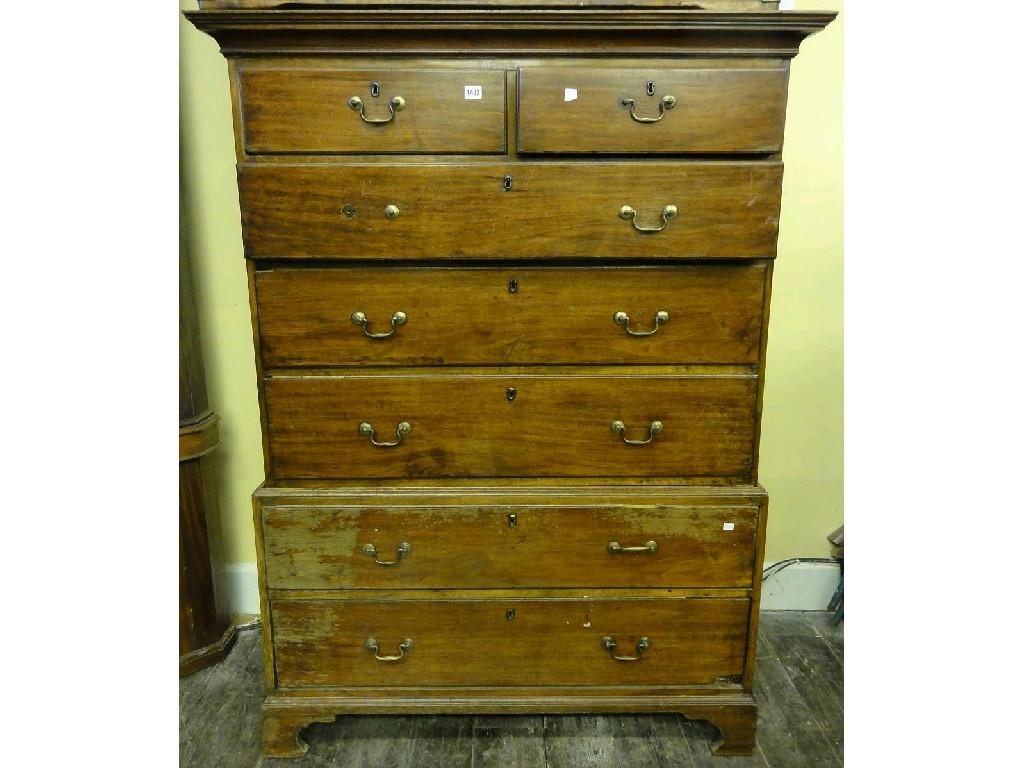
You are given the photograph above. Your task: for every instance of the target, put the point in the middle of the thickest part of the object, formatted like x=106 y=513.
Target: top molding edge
x=801 y=23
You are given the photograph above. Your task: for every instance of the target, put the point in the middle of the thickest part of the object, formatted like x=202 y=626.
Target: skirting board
x=798 y=587
x=243 y=589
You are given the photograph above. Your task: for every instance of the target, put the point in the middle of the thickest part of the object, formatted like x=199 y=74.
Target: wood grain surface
x=800 y=721
x=464 y=425
x=725 y=209
x=470 y=641
x=508 y=546
x=509 y=315
x=307 y=111
x=572 y=110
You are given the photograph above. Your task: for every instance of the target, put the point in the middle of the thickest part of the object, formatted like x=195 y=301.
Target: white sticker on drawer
x=728 y=526
x=570 y=94
x=474 y=91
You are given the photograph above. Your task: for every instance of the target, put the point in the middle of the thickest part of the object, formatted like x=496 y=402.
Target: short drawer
x=476 y=641
x=432 y=316
x=499 y=211
x=666 y=110
x=506 y=424
x=336 y=111
x=509 y=546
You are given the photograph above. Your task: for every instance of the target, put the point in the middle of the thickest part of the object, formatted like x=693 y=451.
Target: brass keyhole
x=510 y=614
x=510 y=394
x=375 y=88
x=650 y=87
x=513 y=286
x=512 y=520
x=508 y=183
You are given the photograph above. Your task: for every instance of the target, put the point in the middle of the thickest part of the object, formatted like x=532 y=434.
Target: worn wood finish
x=471 y=641
x=714 y=110
x=510 y=316
x=464 y=424
x=508 y=546
x=219 y=717
x=307 y=111
x=566 y=210
x=511 y=394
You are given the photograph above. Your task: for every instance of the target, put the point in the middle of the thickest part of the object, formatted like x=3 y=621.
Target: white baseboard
x=800 y=587
x=243 y=588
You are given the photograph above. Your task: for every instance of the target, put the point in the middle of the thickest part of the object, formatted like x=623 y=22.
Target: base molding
x=201 y=658
x=284 y=717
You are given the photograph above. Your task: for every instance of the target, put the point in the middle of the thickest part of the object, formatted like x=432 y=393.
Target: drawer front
x=311 y=111
x=466 y=425
x=577 y=109
x=509 y=546
x=471 y=641
x=722 y=209
x=693 y=314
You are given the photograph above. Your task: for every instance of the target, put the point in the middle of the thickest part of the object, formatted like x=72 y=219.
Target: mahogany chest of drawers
x=510 y=267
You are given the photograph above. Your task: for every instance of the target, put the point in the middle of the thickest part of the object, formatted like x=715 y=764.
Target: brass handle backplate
x=619 y=428
x=373 y=647
x=614 y=547
x=660 y=318
x=395 y=105
x=403 y=429
x=666 y=103
x=401 y=551
x=628 y=213
x=360 y=319
x=609 y=644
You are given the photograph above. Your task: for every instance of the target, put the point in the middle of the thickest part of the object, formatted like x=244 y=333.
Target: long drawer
x=654 y=110
x=508 y=546
x=505 y=424
x=434 y=316
x=387 y=110
x=517 y=641
x=523 y=210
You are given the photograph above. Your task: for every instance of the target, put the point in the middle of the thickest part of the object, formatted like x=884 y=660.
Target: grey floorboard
x=799 y=687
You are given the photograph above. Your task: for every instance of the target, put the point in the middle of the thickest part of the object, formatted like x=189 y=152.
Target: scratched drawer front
x=471 y=641
x=508 y=546
x=465 y=425
x=719 y=209
x=675 y=110
x=310 y=111
x=507 y=316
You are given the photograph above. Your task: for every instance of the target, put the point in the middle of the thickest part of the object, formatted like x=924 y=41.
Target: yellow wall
x=802 y=439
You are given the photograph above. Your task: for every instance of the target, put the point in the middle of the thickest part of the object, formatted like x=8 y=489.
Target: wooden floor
x=799 y=688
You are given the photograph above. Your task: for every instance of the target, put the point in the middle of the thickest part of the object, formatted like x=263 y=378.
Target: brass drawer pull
x=608 y=643
x=619 y=428
x=360 y=319
x=395 y=105
x=666 y=103
x=614 y=547
x=403 y=429
x=374 y=647
x=628 y=213
x=660 y=318
x=401 y=551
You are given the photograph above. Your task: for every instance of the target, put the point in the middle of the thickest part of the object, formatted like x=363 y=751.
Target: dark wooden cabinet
x=205 y=633
x=510 y=268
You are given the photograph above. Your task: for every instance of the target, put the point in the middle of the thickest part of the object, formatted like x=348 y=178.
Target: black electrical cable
x=783 y=564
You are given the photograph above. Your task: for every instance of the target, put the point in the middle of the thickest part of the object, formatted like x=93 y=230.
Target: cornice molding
x=511 y=18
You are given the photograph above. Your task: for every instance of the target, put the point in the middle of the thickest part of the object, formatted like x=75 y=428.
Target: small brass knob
x=391 y=212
